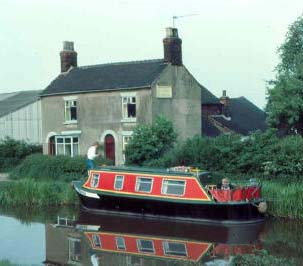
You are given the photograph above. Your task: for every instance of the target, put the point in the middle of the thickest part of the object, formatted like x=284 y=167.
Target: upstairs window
x=128 y=107
x=173 y=187
x=144 y=184
x=70 y=112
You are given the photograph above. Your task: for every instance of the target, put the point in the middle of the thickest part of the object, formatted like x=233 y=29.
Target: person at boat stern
x=91 y=155
x=225 y=184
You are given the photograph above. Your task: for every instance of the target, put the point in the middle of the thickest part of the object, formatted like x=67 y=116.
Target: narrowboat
x=169 y=194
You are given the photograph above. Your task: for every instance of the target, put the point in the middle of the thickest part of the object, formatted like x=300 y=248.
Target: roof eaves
x=148 y=86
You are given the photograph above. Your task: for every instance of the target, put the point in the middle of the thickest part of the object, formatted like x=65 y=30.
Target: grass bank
x=28 y=192
x=284 y=200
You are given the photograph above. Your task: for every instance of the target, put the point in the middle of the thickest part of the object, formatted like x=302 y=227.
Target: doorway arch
x=109 y=143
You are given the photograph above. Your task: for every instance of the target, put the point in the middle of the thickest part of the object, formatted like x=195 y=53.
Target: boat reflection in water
x=114 y=240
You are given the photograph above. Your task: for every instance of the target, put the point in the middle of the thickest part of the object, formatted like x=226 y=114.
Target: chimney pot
x=68 y=46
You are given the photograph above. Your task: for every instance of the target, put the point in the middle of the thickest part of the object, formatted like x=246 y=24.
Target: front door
x=110 y=148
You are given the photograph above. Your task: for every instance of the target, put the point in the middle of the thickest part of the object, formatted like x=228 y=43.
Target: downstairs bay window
x=67 y=145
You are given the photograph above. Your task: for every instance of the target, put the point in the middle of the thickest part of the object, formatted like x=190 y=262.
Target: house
x=20 y=116
x=230 y=115
x=105 y=102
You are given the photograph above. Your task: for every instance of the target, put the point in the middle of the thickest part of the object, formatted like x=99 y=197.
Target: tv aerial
x=183 y=16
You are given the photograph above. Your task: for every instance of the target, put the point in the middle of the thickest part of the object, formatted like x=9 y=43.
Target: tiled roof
x=245 y=117
x=16 y=101
x=207 y=97
x=124 y=75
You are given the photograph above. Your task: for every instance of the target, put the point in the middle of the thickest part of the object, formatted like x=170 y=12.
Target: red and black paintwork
x=195 y=204
x=196 y=239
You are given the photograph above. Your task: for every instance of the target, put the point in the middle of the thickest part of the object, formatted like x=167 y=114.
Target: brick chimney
x=68 y=56
x=172 y=47
x=224 y=99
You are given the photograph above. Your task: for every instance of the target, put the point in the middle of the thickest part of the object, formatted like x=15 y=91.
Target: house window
x=125 y=141
x=67 y=145
x=126 y=138
x=94 y=182
x=70 y=113
x=74 y=250
x=119 y=180
x=174 y=248
x=173 y=187
x=120 y=242
x=144 y=184
x=146 y=246
x=128 y=107
x=96 y=241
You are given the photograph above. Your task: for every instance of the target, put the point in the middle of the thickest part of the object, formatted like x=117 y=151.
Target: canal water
x=71 y=237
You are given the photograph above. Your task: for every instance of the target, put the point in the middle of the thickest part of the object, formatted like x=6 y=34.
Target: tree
x=150 y=141
x=285 y=93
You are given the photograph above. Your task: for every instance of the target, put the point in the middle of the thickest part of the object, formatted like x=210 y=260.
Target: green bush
x=262 y=154
x=12 y=152
x=150 y=141
x=261 y=258
x=46 y=167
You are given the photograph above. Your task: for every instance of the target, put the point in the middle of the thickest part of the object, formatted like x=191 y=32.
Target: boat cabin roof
x=155 y=171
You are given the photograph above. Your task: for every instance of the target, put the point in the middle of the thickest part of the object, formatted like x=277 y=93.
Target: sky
x=226 y=44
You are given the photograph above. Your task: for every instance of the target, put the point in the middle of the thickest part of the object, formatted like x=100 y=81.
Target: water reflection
x=64 y=237
x=111 y=240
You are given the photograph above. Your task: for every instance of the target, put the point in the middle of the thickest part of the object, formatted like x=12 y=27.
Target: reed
x=285 y=200
x=28 y=192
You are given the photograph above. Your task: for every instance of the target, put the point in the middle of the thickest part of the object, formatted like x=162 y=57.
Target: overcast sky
x=229 y=45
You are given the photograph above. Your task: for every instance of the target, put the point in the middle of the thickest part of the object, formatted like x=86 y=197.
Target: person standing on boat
x=91 y=155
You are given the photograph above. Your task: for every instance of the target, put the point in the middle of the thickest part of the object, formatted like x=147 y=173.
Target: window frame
x=69 y=104
x=171 y=194
x=126 y=100
x=137 y=184
x=98 y=238
x=122 y=182
x=74 y=257
x=93 y=179
x=139 y=246
x=123 y=240
x=64 y=144
x=166 y=251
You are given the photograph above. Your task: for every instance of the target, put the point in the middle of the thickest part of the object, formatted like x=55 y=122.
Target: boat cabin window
x=173 y=187
x=120 y=243
x=174 y=248
x=119 y=180
x=144 y=184
x=146 y=246
x=94 y=182
x=96 y=241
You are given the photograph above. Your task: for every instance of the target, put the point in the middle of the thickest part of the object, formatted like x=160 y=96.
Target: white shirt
x=91 y=153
